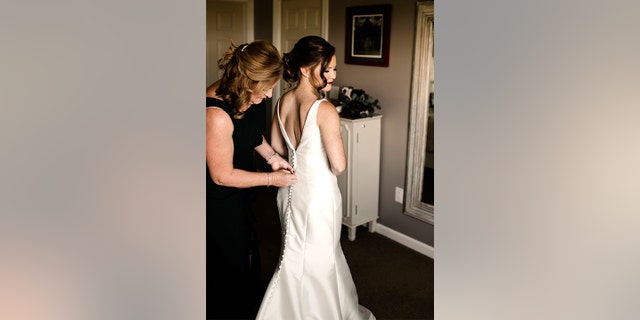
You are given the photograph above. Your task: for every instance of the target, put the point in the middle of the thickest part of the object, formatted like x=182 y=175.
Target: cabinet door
x=343 y=179
x=365 y=170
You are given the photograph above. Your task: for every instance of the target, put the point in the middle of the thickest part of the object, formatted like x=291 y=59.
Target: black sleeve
x=259 y=119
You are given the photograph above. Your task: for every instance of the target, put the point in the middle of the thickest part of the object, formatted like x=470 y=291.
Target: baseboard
x=406 y=241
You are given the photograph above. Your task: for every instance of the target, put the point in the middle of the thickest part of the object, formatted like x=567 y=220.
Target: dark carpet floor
x=392 y=281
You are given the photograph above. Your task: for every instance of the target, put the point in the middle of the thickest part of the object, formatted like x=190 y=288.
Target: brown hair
x=247 y=68
x=307 y=52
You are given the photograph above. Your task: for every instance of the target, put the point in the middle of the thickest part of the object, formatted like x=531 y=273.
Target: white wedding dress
x=312 y=280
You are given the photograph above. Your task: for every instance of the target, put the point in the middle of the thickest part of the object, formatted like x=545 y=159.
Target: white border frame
x=418 y=120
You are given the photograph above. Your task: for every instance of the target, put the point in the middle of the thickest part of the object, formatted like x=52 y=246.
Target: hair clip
x=244 y=47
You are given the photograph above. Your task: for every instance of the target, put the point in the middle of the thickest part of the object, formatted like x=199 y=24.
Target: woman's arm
x=219 y=152
x=273 y=158
x=329 y=124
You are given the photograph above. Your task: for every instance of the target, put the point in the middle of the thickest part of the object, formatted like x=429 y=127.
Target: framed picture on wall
x=368 y=35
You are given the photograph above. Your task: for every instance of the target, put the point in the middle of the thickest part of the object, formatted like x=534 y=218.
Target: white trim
x=277 y=24
x=325 y=19
x=406 y=241
x=276 y=39
x=250 y=21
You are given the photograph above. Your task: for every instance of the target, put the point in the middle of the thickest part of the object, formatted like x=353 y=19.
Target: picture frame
x=367 y=40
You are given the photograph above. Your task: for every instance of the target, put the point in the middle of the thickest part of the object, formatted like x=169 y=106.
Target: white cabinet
x=360 y=183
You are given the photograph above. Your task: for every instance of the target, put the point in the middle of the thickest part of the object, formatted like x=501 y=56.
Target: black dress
x=233 y=261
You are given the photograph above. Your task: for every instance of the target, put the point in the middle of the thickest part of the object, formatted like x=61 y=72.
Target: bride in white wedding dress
x=312 y=280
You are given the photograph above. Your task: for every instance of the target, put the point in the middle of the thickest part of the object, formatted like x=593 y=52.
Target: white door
x=299 y=19
x=226 y=21
x=294 y=19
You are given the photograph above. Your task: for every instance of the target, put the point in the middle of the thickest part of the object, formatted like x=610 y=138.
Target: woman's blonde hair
x=247 y=68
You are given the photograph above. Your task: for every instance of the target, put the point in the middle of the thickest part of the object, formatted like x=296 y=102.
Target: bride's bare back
x=294 y=109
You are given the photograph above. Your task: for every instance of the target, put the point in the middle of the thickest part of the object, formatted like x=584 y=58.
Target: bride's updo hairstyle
x=248 y=68
x=307 y=52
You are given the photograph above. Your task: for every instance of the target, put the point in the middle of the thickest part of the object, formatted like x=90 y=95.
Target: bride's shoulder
x=326 y=105
x=326 y=110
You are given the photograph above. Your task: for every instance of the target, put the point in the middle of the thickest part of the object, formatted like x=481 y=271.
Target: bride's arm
x=277 y=141
x=329 y=124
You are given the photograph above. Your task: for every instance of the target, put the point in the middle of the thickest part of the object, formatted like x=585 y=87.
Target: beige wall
x=391 y=85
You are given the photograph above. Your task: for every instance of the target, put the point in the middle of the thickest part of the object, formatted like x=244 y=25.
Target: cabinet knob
x=364 y=125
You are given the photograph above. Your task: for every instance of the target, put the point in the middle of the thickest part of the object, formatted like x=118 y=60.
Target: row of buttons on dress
x=287 y=219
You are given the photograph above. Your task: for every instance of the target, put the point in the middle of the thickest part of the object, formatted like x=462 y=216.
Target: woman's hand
x=278 y=163
x=282 y=178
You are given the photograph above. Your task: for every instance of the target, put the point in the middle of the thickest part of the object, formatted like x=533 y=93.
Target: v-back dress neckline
x=302 y=130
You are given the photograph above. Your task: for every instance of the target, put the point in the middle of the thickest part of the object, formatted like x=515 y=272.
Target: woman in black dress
x=235 y=126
